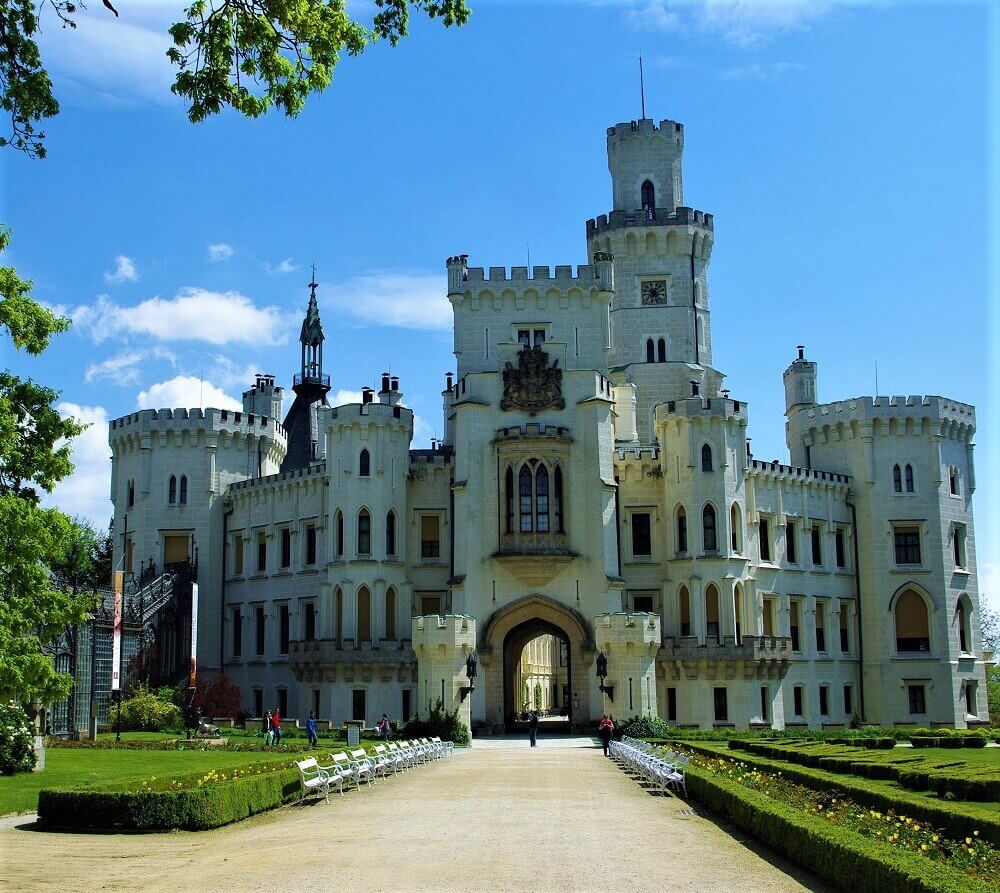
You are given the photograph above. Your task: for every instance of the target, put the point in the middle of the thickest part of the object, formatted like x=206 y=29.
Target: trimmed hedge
x=955 y=819
x=843 y=857
x=910 y=770
x=124 y=808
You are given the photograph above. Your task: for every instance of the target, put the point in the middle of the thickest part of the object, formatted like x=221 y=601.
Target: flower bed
x=244 y=746
x=839 y=839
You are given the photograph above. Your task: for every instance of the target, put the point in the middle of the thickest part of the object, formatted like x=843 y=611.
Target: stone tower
x=311 y=387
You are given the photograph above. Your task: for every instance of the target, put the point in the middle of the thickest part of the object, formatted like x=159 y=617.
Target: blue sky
x=844 y=149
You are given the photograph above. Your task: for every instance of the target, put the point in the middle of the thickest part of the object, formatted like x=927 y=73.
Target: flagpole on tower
x=642 y=88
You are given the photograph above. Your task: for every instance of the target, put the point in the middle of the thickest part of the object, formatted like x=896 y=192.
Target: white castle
x=594 y=484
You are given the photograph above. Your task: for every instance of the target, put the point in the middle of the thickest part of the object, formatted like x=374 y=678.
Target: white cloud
x=123 y=368
x=87 y=490
x=407 y=300
x=193 y=314
x=284 y=266
x=219 y=251
x=759 y=72
x=423 y=431
x=185 y=392
x=343 y=397
x=741 y=22
x=230 y=374
x=124 y=271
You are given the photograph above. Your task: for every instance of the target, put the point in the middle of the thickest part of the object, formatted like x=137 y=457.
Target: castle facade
x=594 y=484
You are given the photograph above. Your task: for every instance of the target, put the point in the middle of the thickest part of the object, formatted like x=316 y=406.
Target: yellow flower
x=972 y=852
x=968 y=840
x=923 y=846
x=935 y=838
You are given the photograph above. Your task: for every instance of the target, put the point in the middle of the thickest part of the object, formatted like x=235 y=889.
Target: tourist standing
x=533 y=727
x=606 y=731
x=311 y=729
x=276 y=722
x=267 y=727
x=383 y=727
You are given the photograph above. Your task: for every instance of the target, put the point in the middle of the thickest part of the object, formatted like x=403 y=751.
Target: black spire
x=310 y=386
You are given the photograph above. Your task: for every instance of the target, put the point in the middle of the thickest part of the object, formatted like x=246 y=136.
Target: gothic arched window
x=524 y=489
x=648 y=196
x=364 y=615
x=909 y=478
x=364 y=532
x=661 y=351
x=184 y=489
x=509 y=490
x=542 y=499
x=682 y=529
x=364 y=464
x=708 y=528
x=131 y=494
x=340 y=532
x=172 y=490
x=390 y=613
x=735 y=530
x=650 y=351
x=390 y=532
x=897 y=479
x=911 y=623
x=557 y=501
x=706 y=457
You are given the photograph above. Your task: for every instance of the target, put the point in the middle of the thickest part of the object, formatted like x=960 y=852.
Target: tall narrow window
x=641 y=534
x=364 y=464
x=538 y=337
x=845 y=634
x=911 y=623
x=817 y=545
x=820 y=626
x=684 y=610
x=364 y=532
x=238 y=555
x=236 y=622
x=735 y=529
x=712 y=631
x=708 y=529
x=542 y=499
x=953 y=481
x=764 y=538
x=184 y=490
x=509 y=489
x=793 y=624
x=790 y=550
x=338 y=619
x=131 y=494
x=390 y=613
x=309 y=622
x=390 y=532
x=430 y=536
x=650 y=351
x=958 y=545
x=259 y=628
x=524 y=489
x=340 y=533
x=661 y=351
x=839 y=548
x=172 y=490
x=767 y=617
x=286 y=547
x=311 y=544
x=897 y=479
x=706 y=457
x=557 y=502
x=283 y=629
x=261 y=552
x=909 y=478
x=964 y=639
x=648 y=196
x=364 y=615
x=682 y=529
x=738 y=611
x=721 y=708
x=524 y=337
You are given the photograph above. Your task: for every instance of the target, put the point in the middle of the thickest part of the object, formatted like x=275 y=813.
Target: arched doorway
x=529 y=678
x=503 y=637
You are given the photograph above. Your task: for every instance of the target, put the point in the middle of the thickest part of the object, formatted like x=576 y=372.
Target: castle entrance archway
x=502 y=641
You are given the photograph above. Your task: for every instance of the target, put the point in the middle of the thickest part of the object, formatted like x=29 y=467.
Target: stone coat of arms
x=532 y=385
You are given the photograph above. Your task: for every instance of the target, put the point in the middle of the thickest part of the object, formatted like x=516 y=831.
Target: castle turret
x=264 y=398
x=800 y=383
x=311 y=387
x=645 y=164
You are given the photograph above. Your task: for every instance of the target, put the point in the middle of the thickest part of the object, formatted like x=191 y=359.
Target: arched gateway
x=506 y=633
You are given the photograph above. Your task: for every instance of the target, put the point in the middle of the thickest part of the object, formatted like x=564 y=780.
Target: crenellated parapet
x=630 y=642
x=682 y=217
x=185 y=423
x=774 y=472
x=442 y=645
x=911 y=415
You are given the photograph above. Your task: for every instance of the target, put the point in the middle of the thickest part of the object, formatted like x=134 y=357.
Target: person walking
x=267 y=726
x=311 y=730
x=276 y=723
x=383 y=727
x=533 y=727
x=606 y=731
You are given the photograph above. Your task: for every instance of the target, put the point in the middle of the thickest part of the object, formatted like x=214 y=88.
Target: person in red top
x=276 y=723
x=605 y=730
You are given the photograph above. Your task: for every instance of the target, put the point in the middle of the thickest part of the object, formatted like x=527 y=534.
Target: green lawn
x=66 y=768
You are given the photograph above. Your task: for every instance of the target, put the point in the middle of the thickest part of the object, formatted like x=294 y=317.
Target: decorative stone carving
x=533 y=385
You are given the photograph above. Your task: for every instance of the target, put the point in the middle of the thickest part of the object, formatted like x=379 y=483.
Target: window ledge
x=284 y=572
x=964 y=571
x=913 y=655
x=909 y=569
x=768 y=565
x=310 y=569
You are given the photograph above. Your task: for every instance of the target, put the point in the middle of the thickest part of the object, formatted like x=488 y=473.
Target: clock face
x=654 y=291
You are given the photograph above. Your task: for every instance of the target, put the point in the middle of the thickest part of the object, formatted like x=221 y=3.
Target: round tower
x=800 y=380
x=645 y=164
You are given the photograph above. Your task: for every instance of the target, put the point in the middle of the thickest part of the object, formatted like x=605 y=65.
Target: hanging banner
x=193 y=673
x=116 y=634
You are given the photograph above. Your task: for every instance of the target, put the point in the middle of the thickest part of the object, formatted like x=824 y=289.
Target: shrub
x=218 y=697
x=17 y=749
x=441 y=723
x=145 y=712
x=645 y=727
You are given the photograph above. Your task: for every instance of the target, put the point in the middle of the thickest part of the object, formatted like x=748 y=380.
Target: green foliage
x=144 y=711
x=193 y=802
x=17 y=752
x=84 y=559
x=644 y=727
x=993 y=693
x=440 y=722
x=253 y=55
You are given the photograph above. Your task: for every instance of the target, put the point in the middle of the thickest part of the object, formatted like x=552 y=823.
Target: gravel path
x=491 y=818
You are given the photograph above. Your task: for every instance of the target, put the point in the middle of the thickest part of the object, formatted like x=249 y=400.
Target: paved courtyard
x=498 y=817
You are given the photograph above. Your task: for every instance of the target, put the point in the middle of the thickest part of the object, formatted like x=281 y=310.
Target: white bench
x=316 y=779
x=351 y=769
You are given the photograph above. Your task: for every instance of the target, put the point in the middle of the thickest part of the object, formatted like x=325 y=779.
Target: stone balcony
x=535 y=558
x=755 y=657
x=332 y=660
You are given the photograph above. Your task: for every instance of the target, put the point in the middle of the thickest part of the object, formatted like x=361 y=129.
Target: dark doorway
x=548 y=688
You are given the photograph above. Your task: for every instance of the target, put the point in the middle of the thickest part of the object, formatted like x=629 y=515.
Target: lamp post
x=602 y=674
x=471 y=669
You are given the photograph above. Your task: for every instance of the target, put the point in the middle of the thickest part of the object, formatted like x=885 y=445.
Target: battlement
x=902 y=408
x=147 y=420
x=367 y=413
x=697 y=406
x=683 y=216
x=776 y=469
x=645 y=127
x=432 y=631
x=317 y=470
x=637 y=453
x=562 y=275
x=533 y=431
x=442 y=455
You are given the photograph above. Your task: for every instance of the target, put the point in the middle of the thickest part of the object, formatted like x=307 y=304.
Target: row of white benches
x=662 y=769
x=356 y=767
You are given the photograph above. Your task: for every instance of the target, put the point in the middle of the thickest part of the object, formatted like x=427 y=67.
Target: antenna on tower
x=876 y=378
x=313 y=283
x=642 y=88
x=527 y=246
